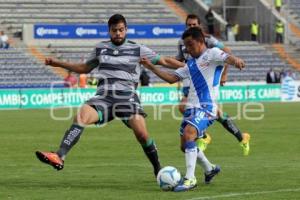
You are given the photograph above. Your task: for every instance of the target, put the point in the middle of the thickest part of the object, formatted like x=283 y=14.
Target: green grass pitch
x=108 y=163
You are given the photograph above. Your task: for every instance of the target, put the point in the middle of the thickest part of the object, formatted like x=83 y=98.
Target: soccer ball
x=168 y=177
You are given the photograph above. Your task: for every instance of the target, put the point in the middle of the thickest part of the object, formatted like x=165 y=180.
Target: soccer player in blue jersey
x=118 y=69
x=223 y=118
x=204 y=70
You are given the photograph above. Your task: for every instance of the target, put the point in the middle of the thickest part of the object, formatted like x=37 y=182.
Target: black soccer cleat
x=209 y=177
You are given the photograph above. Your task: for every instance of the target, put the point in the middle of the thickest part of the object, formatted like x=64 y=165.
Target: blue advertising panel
x=92 y=31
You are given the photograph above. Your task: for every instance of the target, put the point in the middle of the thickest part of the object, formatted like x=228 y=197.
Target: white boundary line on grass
x=244 y=194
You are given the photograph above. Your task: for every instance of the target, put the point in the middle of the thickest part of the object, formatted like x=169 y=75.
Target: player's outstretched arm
x=235 y=61
x=75 y=67
x=169 y=77
x=224 y=75
x=170 y=63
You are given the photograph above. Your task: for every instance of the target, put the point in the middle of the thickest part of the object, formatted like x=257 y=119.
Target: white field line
x=244 y=194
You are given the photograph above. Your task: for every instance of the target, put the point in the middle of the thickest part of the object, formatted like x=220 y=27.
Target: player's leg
x=138 y=125
x=87 y=115
x=182 y=104
x=189 y=147
x=192 y=127
x=229 y=125
x=128 y=108
x=202 y=122
x=203 y=142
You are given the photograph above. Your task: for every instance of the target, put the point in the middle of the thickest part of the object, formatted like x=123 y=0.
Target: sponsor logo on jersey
x=129 y=52
x=115 y=52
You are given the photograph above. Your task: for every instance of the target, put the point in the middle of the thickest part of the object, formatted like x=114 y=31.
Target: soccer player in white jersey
x=223 y=118
x=204 y=70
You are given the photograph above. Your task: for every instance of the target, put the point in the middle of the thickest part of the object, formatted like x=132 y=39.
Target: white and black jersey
x=118 y=66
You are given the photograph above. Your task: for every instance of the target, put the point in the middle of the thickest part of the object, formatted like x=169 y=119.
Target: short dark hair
x=115 y=19
x=192 y=16
x=195 y=32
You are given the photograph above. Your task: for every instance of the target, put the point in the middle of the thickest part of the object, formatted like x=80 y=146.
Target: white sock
x=204 y=162
x=190 y=161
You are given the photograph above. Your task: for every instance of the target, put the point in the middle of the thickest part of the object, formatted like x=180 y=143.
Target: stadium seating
x=258 y=59
x=294 y=6
x=19 y=70
x=15 y=13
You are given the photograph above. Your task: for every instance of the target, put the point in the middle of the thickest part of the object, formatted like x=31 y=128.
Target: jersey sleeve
x=150 y=54
x=214 y=42
x=218 y=55
x=92 y=60
x=182 y=72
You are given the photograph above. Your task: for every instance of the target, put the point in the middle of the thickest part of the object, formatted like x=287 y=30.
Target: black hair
x=115 y=19
x=195 y=32
x=192 y=16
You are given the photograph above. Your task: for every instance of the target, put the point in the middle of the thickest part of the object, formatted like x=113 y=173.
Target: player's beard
x=117 y=42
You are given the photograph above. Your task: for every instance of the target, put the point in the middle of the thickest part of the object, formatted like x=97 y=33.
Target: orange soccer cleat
x=50 y=158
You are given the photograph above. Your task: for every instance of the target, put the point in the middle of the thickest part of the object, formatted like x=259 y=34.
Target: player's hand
x=48 y=61
x=147 y=63
x=222 y=82
x=239 y=63
x=223 y=79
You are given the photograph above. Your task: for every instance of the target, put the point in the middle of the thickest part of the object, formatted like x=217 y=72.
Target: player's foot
x=203 y=142
x=212 y=173
x=245 y=144
x=50 y=158
x=187 y=184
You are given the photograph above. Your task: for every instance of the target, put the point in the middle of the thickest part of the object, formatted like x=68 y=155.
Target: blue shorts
x=198 y=118
x=185 y=91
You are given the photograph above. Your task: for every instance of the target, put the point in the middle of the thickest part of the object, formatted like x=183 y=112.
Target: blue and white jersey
x=204 y=74
x=182 y=54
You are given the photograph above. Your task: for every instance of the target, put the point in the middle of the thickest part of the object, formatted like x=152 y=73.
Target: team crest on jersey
x=115 y=52
x=203 y=62
x=205 y=58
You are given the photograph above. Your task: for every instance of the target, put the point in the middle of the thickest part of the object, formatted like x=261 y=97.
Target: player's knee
x=190 y=133
x=83 y=119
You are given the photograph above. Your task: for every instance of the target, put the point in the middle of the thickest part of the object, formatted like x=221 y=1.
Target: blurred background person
x=70 y=80
x=278 y=4
x=92 y=81
x=210 y=20
x=4 y=40
x=279 y=29
x=272 y=77
x=82 y=81
x=254 y=30
x=236 y=30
